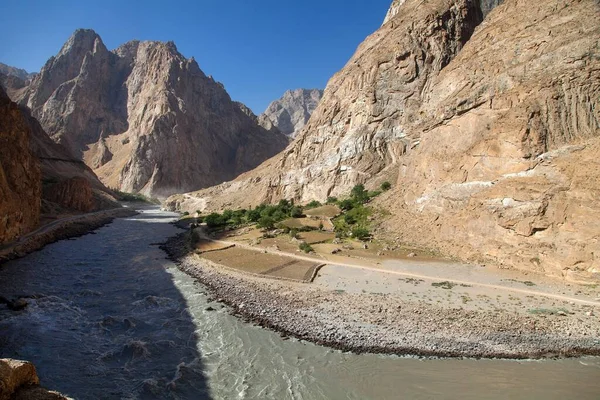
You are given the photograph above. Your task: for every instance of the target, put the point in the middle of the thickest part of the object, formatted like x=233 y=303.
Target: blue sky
x=257 y=48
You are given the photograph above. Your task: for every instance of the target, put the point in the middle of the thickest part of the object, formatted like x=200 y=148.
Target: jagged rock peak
x=82 y=39
x=145 y=117
x=293 y=110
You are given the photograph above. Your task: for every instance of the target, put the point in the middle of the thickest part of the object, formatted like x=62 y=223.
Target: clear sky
x=257 y=48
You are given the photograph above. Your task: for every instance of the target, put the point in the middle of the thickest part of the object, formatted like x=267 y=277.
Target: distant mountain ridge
x=143 y=117
x=18 y=72
x=293 y=110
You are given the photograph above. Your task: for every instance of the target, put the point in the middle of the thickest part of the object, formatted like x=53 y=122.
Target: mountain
x=17 y=72
x=292 y=111
x=483 y=115
x=39 y=178
x=143 y=117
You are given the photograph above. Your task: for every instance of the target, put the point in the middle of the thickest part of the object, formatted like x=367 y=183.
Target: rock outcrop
x=20 y=174
x=488 y=119
x=39 y=176
x=19 y=380
x=144 y=117
x=292 y=111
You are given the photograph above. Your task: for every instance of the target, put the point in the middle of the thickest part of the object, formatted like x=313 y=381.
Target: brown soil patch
x=256 y=262
x=328 y=211
x=316 y=237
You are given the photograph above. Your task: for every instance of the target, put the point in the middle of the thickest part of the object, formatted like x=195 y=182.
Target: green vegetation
x=360 y=233
x=385 y=186
x=305 y=247
x=124 y=196
x=353 y=221
x=313 y=204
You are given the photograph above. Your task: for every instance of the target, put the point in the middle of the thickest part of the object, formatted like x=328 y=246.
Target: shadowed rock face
x=20 y=174
x=291 y=112
x=144 y=117
x=489 y=126
x=34 y=171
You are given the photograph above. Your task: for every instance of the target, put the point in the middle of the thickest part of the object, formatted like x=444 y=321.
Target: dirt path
x=411 y=275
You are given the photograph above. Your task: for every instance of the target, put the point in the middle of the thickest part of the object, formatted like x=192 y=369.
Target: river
x=110 y=317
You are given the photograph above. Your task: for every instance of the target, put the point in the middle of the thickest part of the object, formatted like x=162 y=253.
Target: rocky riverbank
x=61 y=229
x=376 y=323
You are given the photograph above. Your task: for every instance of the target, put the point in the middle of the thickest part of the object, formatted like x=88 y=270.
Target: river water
x=110 y=317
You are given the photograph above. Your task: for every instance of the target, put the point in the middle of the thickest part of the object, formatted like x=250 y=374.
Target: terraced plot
x=257 y=262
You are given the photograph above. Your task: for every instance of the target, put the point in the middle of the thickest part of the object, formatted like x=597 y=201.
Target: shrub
x=332 y=200
x=347 y=204
x=294 y=233
x=349 y=219
x=360 y=233
x=305 y=247
x=296 y=212
x=386 y=186
x=313 y=204
x=186 y=213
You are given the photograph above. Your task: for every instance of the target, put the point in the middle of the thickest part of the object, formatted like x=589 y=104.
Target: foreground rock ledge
x=370 y=323
x=19 y=380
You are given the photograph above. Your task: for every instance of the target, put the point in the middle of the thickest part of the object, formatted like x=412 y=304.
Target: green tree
x=213 y=220
x=360 y=233
x=296 y=212
x=253 y=215
x=266 y=222
x=359 y=194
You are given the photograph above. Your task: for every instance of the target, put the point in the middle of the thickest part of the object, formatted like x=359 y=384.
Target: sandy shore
x=59 y=230
x=395 y=323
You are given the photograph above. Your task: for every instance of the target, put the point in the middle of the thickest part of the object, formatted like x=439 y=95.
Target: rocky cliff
x=20 y=174
x=292 y=111
x=38 y=176
x=144 y=117
x=485 y=111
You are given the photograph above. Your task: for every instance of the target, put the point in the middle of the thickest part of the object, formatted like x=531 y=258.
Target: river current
x=110 y=317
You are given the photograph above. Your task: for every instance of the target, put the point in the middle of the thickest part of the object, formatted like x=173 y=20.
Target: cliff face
x=490 y=127
x=38 y=176
x=292 y=111
x=506 y=167
x=358 y=128
x=144 y=117
x=20 y=175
